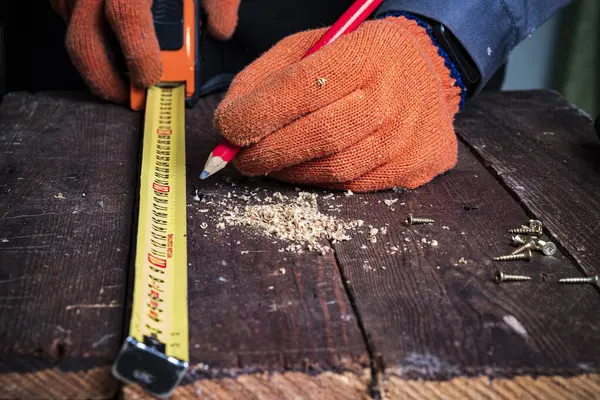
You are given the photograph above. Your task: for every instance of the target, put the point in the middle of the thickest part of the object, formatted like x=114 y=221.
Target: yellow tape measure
x=155 y=354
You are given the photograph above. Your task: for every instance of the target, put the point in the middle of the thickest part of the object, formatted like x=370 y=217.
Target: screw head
x=535 y=225
x=549 y=248
x=518 y=239
x=498 y=277
x=409 y=219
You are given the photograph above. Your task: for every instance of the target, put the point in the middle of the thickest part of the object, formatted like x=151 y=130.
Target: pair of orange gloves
x=371 y=111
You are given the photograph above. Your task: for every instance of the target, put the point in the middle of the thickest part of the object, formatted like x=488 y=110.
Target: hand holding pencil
x=369 y=111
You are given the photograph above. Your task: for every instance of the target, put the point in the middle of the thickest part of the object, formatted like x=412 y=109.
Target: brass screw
x=530 y=245
x=536 y=225
x=511 y=257
x=518 y=240
x=499 y=277
x=410 y=220
x=589 y=279
x=525 y=230
x=548 y=248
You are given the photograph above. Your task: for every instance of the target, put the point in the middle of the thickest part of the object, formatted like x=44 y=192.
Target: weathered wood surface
x=426 y=313
x=272 y=386
x=547 y=153
x=348 y=386
x=429 y=312
x=67 y=183
x=430 y=315
x=585 y=386
x=245 y=314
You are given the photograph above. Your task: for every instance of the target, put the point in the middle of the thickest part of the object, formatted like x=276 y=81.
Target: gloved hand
x=370 y=111
x=131 y=21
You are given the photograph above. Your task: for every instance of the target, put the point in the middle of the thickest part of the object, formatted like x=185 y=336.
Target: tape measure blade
x=156 y=353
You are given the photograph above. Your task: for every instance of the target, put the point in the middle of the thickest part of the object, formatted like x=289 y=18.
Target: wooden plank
x=431 y=315
x=55 y=383
x=67 y=187
x=272 y=386
x=349 y=386
x=545 y=151
x=585 y=386
x=245 y=314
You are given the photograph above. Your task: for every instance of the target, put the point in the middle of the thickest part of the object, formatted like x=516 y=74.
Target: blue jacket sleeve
x=488 y=30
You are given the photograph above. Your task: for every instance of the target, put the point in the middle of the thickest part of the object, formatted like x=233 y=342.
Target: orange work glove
x=370 y=111
x=131 y=21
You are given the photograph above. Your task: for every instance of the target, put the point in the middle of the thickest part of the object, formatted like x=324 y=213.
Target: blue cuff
x=447 y=62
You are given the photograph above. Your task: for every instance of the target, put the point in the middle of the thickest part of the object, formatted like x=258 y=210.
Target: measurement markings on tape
x=155 y=354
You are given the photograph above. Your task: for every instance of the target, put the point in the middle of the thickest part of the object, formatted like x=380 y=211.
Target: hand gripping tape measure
x=155 y=353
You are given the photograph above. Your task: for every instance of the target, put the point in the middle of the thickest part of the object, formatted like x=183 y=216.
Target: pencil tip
x=205 y=174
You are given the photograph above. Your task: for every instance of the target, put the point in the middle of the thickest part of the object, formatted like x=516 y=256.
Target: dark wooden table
x=424 y=321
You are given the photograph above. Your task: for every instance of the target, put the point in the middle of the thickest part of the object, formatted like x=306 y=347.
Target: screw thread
x=423 y=220
x=512 y=257
x=516 y=278
x=500 y=277
x=578 y=280
x=522 y=231
x=410 y=220
x=521 y=249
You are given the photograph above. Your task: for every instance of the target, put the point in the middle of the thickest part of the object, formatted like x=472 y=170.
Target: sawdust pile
x=296 y=220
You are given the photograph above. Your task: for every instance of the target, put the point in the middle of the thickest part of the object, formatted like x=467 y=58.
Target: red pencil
x=349 y=21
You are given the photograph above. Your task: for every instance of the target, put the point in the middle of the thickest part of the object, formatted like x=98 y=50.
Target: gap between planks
x=513 y=193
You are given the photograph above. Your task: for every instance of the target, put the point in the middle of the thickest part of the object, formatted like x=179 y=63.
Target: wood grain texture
x=546 y=152
x=245 y=315
x=432 y=312
x=54 y=383
x=349 y=386
x=586 y=386
x=272 y=386
x=67 y=186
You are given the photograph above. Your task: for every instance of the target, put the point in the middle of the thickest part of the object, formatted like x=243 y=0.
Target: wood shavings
x=389 y=202
x=59 y=196
x=282 y=271
x=349 y=193
x=296 y=220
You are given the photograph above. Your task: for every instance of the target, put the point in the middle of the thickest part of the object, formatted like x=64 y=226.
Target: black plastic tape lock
x=144 y=365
